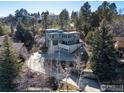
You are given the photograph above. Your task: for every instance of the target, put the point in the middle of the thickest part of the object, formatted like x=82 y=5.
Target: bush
x=52 y=83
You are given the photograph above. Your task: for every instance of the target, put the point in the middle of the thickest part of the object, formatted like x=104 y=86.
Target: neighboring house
x=53 y=16
x=119 y=44
x=87 y=84
x=69 y=84
x=19 y=48
x=59 y=39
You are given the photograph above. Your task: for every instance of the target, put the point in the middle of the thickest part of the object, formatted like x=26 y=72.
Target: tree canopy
x=63 y=17
x=104 y=60
x=9 y=67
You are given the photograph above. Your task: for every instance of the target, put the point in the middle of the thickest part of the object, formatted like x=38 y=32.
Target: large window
x=77 y=41
x=63 y=42
x=69 y=36
x=55 y=42
x=52 y=36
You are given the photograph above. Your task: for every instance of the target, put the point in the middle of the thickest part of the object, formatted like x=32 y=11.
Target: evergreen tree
x=24 y=36
x=12 y=30
x=84 y=16
x=104 y=59
x=52 y=83
x=1 y=31
x=107 y=11
x=89 y=38
x=44 y=16
x=38 y=15
x=9 y=67
x=94 y=20
x=74 y=18
x=63 y=18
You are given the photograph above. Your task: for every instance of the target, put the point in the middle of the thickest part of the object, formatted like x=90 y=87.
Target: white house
x=59 y=39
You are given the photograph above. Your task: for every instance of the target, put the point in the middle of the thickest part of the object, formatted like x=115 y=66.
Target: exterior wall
x=119 y=44
x=70 y=38
x=56 y=37
x=70 y=48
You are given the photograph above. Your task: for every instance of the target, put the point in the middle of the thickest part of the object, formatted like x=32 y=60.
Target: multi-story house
x=59 y=39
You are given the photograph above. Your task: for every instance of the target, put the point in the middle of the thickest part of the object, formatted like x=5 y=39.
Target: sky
x=9 y=7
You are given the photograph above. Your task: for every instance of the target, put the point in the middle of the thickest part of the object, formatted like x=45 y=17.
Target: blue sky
x=9 y=7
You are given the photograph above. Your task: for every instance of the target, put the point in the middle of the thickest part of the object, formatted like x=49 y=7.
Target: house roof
x=91 y=89
x=53 y=30
x=70 y=81
x=71 y=32
x=90 y=85
x=16 y=46
x=119 y=39
x=2 y=39
x=119 y=42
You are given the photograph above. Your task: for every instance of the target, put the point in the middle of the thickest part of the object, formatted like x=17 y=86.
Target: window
x=63 y=42
x=52 y=36
x=63 y=36
x=77 y=41
x=66 y=36
x=55 y=42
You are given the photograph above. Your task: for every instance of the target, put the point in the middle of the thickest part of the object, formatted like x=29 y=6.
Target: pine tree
x=85 y=17
x=44 y=16
x=63 y=19
x=24 y=35
x=107 y=11
x=104 y=59
x=9 y=67
x=1 y=31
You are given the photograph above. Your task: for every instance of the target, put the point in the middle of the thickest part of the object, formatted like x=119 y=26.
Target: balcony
x=70 y=48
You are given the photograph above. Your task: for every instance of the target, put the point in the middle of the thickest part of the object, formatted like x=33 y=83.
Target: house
x=19 y=47
x=59 y=39
x=53 y=16
x=119 y=44
x=21 y=50
x=87 y=84
x=69 y=84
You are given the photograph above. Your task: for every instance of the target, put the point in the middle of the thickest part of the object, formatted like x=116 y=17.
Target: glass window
x=52 y=36
x=55 y=42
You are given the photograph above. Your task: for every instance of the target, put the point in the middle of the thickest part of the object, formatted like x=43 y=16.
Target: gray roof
x=16 y=46
x=2 y=39
x=53 y=30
